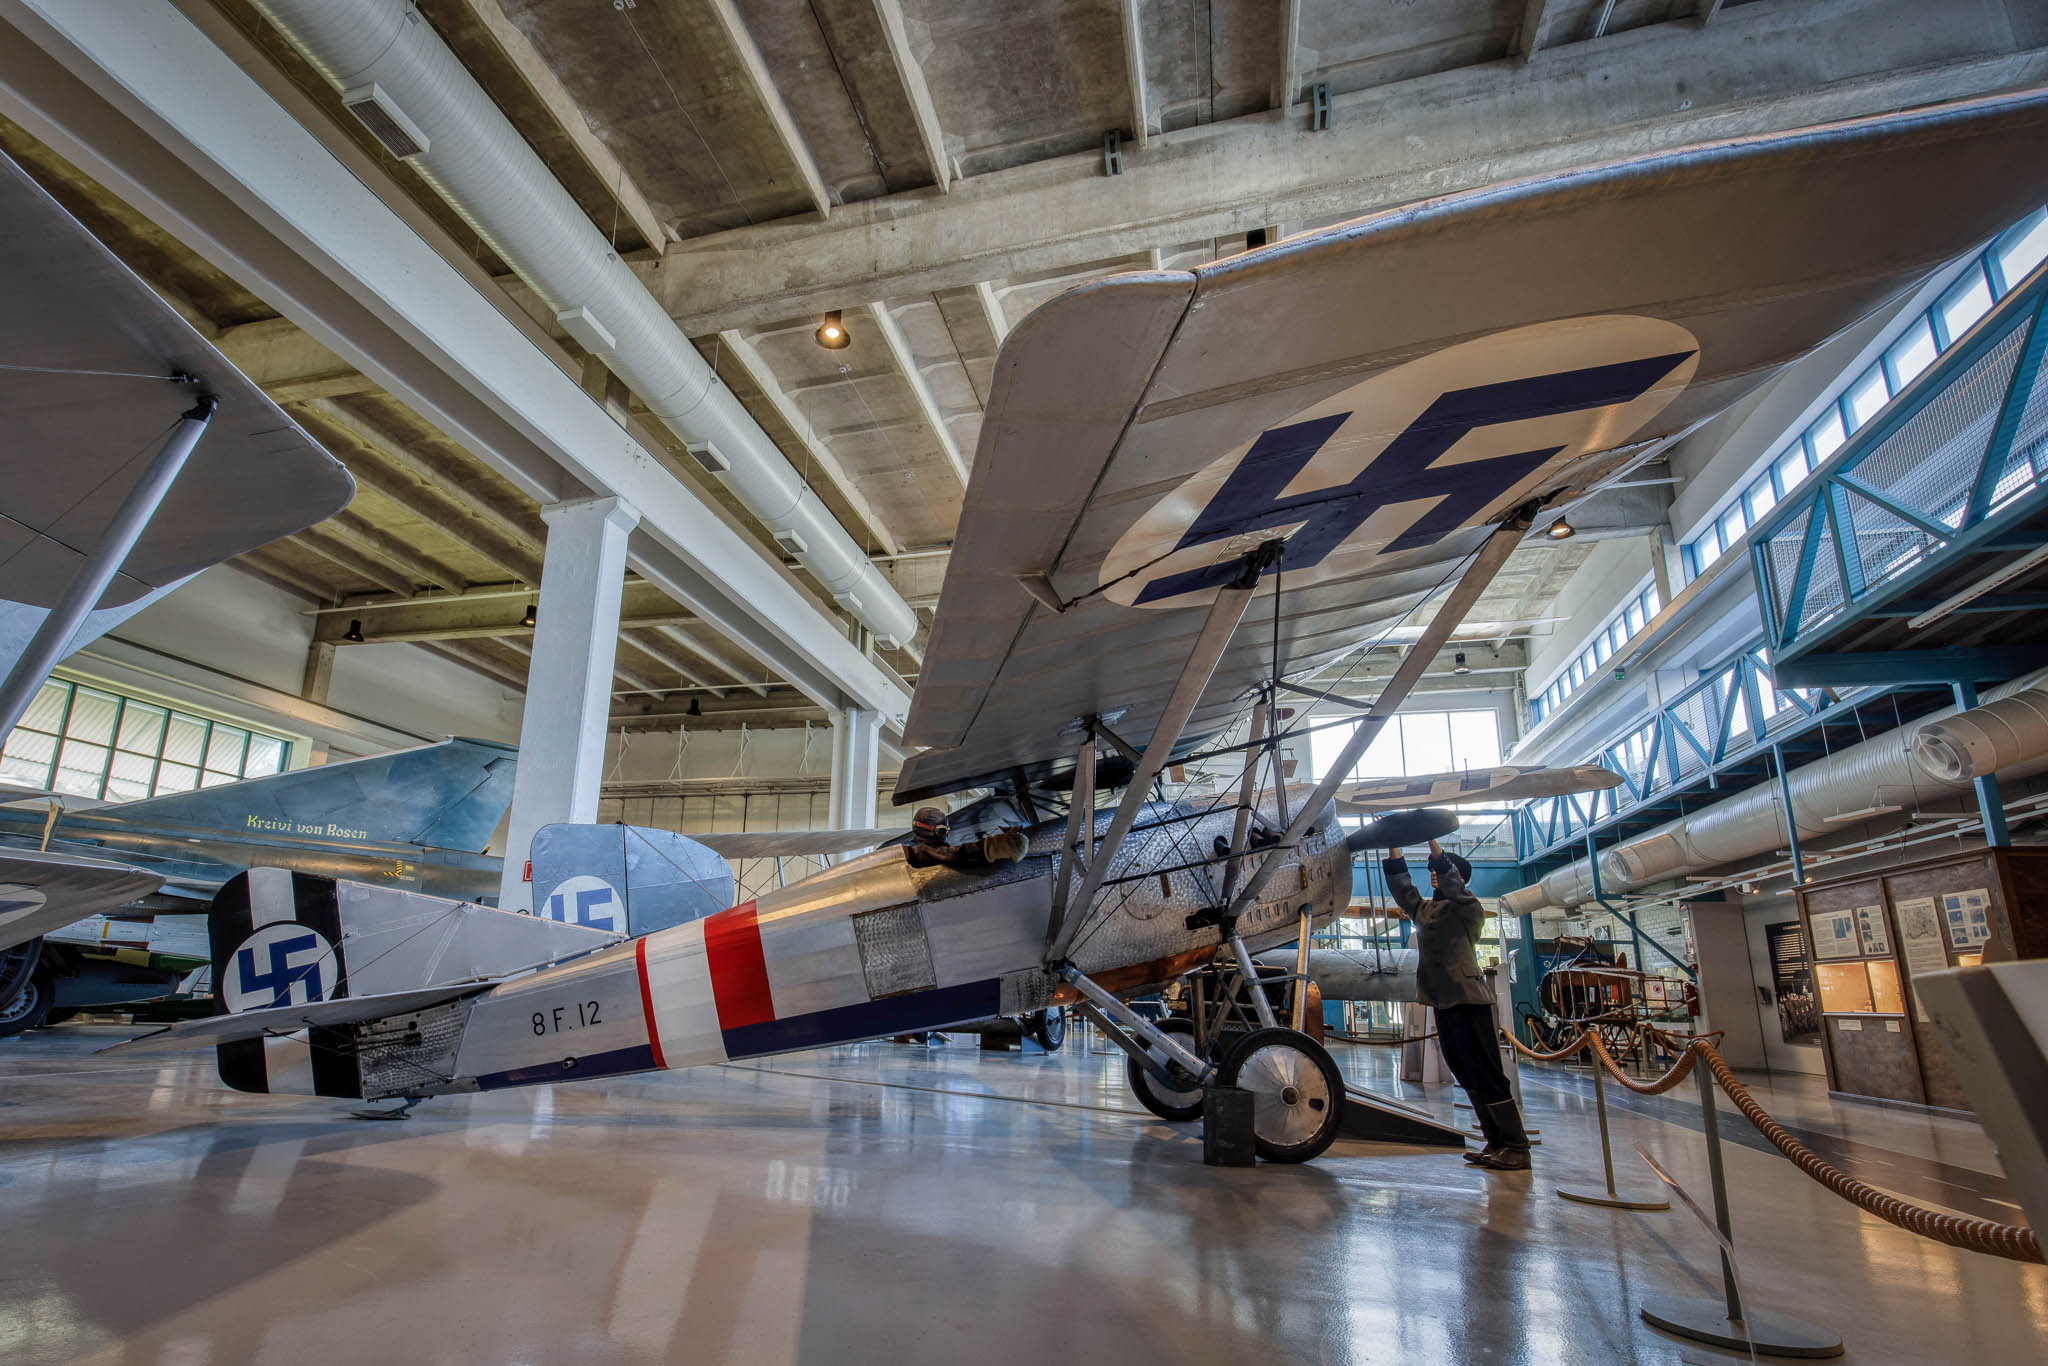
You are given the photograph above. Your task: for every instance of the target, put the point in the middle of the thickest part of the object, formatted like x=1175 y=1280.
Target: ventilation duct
x=477 y=161
x=1935 y=756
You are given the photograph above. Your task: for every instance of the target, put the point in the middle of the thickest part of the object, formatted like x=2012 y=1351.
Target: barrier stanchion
x=1727 y=1322
x=1612 y=1199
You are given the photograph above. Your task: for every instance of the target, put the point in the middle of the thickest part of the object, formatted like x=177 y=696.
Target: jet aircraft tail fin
x=283 y=939
x=446 y=796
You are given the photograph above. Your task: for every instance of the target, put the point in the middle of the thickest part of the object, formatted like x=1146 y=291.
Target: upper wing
x=793 y=843
x=76 y=326
x=40 y=891
x=1473 y=785
x=1379 y=393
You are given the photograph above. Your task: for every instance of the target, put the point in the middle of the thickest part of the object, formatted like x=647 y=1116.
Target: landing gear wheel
x=29 y=1008
x=1297 y=1092
x=1048 y=1027
x=1179 y=1104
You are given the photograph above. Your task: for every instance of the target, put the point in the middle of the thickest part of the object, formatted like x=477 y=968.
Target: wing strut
x=1080 y=827
x=1487 y=563
x=1217 y=629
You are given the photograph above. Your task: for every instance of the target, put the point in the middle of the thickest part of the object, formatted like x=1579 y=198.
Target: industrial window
x=88 y=742
x=2015 y=254
x=1416 y=743
x=1607 y=642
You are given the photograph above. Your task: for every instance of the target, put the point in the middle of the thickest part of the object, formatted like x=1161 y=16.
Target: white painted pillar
x=569 y=680
x=856 y=768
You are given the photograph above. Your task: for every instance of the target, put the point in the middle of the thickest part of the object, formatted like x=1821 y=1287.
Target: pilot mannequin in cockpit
x=928 y=847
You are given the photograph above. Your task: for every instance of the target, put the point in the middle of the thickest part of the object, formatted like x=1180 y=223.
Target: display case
x=1871 y=934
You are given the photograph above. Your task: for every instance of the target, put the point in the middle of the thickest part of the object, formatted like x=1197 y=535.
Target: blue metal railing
x=1731 y=714
x=1934 y=471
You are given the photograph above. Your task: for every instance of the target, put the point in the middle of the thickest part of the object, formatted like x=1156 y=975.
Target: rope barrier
x=2013 y=1241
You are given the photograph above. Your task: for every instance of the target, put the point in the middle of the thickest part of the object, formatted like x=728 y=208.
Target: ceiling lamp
x=696 y=708
x=532 y=615
x=831 y=333
x=354 y=634
x=1560 y=530
x=1459 y=666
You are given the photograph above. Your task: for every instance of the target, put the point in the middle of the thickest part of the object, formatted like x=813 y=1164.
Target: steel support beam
x=1760 y=68
x=1990 y=805
x=157 y=110
x=1865 y=668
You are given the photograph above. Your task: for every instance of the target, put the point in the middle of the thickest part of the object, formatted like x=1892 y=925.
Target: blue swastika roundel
x=283 y=963
x=1401 y=459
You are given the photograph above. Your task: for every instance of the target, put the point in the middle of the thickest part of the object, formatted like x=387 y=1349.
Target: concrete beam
x=549 y=92
x=395 y=450
x=1762 y=67
x=922 y=111
x=668 y=659
x=184 y=118
x=1134 y=70
x=992 y=312
x=1287 y=76
x=288 y=364
x=764 y=378
x=762 y=86
x=491 y=615
x=905 y=361
x=1529 y=36
x=718 y=659
x=385 y=548
x=267 y=566
x=335 y=552
x=783 y=707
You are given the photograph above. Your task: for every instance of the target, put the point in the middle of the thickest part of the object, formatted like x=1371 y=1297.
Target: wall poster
x=1834 y=934
x=1870 y=927
x=1968 y=916
x=1920 y=938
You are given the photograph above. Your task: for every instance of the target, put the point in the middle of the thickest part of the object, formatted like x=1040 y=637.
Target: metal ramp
x=1376 y=1118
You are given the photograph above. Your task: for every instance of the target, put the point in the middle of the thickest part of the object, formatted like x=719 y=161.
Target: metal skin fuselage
x=869 y=948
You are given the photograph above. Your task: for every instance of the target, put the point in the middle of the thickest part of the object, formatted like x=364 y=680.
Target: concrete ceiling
x=744 y=156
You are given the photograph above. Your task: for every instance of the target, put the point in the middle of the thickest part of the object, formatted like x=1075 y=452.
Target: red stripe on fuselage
x=647 y=1002
x=739 y=972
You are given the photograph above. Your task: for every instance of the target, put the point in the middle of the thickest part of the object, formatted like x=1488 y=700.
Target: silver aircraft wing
x=41 y=891
x=86 y=349
x=793 y=843
x=1506 y=784
x=1378 y=393
x=254 y=1024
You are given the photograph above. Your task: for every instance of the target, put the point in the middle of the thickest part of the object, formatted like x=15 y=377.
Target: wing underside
x=1378 y=394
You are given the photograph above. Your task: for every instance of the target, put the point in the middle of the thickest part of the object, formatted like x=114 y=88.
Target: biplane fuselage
x=866 y=949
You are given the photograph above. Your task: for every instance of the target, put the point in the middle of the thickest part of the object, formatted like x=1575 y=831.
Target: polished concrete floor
x=889 y=1203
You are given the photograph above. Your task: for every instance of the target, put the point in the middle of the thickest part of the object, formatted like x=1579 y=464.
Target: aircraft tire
x=29 y=1008
x=1048 y=1027
x=18 y=965
x=1177 y=1106
x=1297 y=1092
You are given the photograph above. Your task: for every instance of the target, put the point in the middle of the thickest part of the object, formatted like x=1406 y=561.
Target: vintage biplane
x=1193 y=489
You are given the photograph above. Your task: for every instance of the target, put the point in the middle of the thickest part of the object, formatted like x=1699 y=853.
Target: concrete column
x=319 y=675
x=856 y=768
x=569 y=681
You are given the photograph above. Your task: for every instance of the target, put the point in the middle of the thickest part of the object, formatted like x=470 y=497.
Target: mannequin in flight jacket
x=1447 y=977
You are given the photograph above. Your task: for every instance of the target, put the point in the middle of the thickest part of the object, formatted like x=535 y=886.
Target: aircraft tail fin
x=626 y=878
x=282 y=939
x=446 y=796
